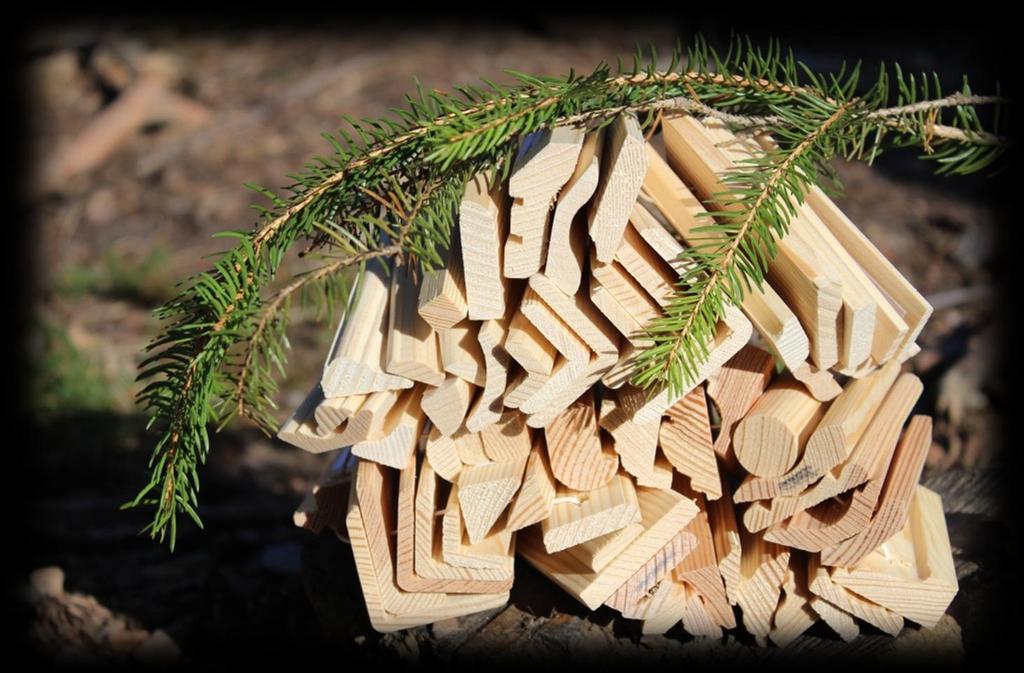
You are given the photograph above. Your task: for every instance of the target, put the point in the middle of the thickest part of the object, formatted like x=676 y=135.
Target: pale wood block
x=332 y=413
x=894 y=501
x=665 y=608
x=647 y=221
x=833 y=439
x=771 y=437
x=821 y=585
x=484 y=492
x=509 y=439
x=728 y=543
x=536 y=497
x=598 y=552
x=762 y=572
x=685 y=439
x=413 y=349
x=546 y=160
x=442 y=455
x=461 y=354
x=483 y=228
x=579 y=314
x=430 y=502
x=911 y=573
x=661 y=474
x=568 y=242
x=657 y=568
x=401 y=432
x=495 y=550
x=370 y=420
x=470 y=447
x=447 y=404
x=635 y=442
x=522 y=386
x=734 y=389
x=645 y=266
x=526 y=343
x=370 y=521
x=681 y=209
x=622 y=173
x=578 y=458
x=794 y=614
x=700 y=568
x=905 y=299
x=487 y=408
x=578 y=516
x=573 y=363
x=356 y=361
x=621 y=372
x=829 y=522
x=819 y=382
x=663 y=515
x=697 y=619
x=567 y=383
x=301 y=428
x=622 y=300
x=839 y=621
x=442 y=299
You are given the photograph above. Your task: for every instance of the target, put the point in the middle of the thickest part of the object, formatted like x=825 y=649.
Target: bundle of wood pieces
x=490 y=409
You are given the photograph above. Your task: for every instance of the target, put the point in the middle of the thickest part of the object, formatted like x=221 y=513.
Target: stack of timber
x=490 y=410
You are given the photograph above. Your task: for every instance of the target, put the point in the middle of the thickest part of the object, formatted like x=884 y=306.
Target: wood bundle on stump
x=490 y=409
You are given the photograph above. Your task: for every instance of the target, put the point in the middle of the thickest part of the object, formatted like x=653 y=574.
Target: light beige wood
x=552 y=328
x=356 y=361
x=654 y=228
x=509 y=439
x=661 y=475
x=905 y=299
x=657 y=568
x=431 y=499
x=487 y=407
x=635 y=443
x=578 y=516
x=685 y=439
x=536 y=497
x=734 y=389
x=495 y=550
x=894 y=500
x=820 y=383
x=774 y=321
x=370 y=420
x=522 y=386
x=829 y=522
x=912 y=573
x=413 y=349
x=483 y=228
x=794 y=614
x=665 y=608
x=663 y=515
x=442 y=299
x=568 y=243
x=567 y=383
x=840 y=622
x=622 y=300
x=622 y=371
x=650 y=270
x=484 y=492
x=578 y=458
x=700 y=568
x=697 y=618
x=470 y=447
x=545 y=162
x=332 y=413
x=525 y=342
x=579 y=314
x=401 y=431
x=771 y=437
x=622 y=173
x=832 y=440
x=301 y=428
x=728 y=543
x=821 y=585
x=461 y=354
x=447 y=404
x=762 y=572
x=598 y=552
x=442 y=455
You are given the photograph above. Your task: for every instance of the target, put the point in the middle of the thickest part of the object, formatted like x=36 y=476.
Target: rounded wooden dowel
x=771 y=438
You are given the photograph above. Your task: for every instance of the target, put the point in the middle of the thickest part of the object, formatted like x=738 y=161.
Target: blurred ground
x=248 y=106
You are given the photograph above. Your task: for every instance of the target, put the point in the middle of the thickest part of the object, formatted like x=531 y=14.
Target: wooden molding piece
x=734 y=389
x=522 y=386
x=568 y=242
x=495 y=550
x=546 y=160
x=507 y=440
x=332 y=413
x=685 y=439
x=551 y=327
x=622 y=174
x=646 y=266
x=526 y=343
x=483 y=228
x=429 y=565
x=664 y=608
x=578 y=516
x=657 y=568
x=461 y=354
x=536 y=497
x=663 y=515
x=894 y=500
x=442 y=300
x=700 y=568
x=728 y=543
x=596 y=553
x=579 y=314
x=301 y=429
x=697 y=618
x=911 y=573
x=771 y=437
x=413 y=350
x=567 y=383
x=356 y=361
x=635 y=443
x=623 y=301
x=820 y=382
x=401 y=432
x=470 y=447
x=442 y=455
x=794 y=614
x=762 y=572
x=840 y=622
x=832 y=440
x=447 y=404
x=484 y=492
x=578 y=457
x=487 y=408
x=821 y=585
x=620 y=373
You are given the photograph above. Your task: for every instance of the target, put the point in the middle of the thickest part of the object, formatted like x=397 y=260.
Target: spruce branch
x=392 y=187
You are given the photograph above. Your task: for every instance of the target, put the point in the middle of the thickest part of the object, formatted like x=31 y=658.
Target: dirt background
x=109 y=241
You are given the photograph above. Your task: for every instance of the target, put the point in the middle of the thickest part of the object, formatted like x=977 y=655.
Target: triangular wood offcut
x=685 y=439
x=536 y=496
x=700 y=568
x=446 y=405
x=657 y=568
x=821 y=585
x=578 y=458
x=401 y=432
x=484 y=492
x=495 y=550
x=578 y=516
